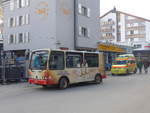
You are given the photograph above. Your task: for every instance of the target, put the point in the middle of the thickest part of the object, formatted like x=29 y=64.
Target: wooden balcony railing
x=136 y=36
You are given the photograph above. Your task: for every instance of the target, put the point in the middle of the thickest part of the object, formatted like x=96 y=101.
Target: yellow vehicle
x=124 y=64
x=64 y=67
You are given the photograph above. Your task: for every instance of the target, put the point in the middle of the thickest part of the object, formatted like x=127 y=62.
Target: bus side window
x=56 y=60
x=74 y=60
x=92 y=59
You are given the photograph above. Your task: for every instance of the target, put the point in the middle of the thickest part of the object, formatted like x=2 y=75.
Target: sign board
x=110 y=48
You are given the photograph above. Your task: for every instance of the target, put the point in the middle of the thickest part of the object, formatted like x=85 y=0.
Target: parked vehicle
x=64 y=67
x=124 y=64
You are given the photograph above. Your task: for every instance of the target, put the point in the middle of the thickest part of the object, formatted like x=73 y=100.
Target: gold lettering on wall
x=42 y=9
x=64 y=7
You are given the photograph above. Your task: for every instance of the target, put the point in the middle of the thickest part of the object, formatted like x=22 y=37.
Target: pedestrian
x=139 y=66
x=146 y=65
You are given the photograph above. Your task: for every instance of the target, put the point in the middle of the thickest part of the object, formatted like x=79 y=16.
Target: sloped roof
x=115 y=11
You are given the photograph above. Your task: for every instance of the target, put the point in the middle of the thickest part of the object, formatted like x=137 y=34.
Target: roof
x=115 y=11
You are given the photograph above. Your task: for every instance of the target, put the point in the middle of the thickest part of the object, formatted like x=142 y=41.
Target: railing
x=107 y=30
x=108 y=37
x=107 y=23
x=134 y=21
x=136 y=36
x=136 y=28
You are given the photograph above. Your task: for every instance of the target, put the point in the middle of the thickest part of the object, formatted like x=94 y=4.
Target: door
x=74 y=66
x=91 y=65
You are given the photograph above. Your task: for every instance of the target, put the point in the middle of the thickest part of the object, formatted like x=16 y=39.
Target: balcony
x=106 y=23
x=108 y=37
x=136 y=36
x=134 y=21
x=107 y=30
x=135 y=28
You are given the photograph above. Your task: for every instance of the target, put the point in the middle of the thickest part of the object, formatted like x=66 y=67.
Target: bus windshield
x=39 y=60
x=120 y=62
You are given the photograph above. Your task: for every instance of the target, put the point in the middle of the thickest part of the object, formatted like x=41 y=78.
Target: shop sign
x=110 y=48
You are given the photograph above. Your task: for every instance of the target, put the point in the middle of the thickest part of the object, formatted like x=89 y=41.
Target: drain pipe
x=75 y=23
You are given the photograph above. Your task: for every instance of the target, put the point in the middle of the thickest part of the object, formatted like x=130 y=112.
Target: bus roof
x=46 y=49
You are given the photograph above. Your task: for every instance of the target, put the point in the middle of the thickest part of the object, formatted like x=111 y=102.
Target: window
x=84 y=32
x=74 y=60
x=20 y=38
x=91 y=60
x=11 y=22
x=22 y=3
x=109 y=20
x=56 y=60
x=11 y=39
x=132 y=32
x=39 y=60
x=84 y=10
x=131 y=39
x=136 y=46
x=20 y=20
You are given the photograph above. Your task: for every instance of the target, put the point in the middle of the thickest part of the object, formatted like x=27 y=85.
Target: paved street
x=118 y=94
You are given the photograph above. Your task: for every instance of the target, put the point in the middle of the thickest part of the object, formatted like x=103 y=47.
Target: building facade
x=35 y=24
x=123 y=28
x=1 y=25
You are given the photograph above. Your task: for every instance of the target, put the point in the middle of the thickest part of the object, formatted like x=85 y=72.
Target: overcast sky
x=136 y=7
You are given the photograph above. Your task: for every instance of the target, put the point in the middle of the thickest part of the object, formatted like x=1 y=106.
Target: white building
x=1 y=25
x=123 y=28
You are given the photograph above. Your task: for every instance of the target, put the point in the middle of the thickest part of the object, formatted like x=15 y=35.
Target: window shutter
x=27 y=19
x=80 y=8
x=17 y=21
x=14 y=38
x=23 y=3
x=27 y=2
x=8 y=22
x=89 y=12
x=23 y=20
x=14 y=22
x=23 y=37
x=80 y=31
x=17 y=38
x=8 y=39
x=27 y=37
x=18 y=4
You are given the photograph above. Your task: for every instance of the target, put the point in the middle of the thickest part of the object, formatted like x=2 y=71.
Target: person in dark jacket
x=139 y=66
x=146 y=65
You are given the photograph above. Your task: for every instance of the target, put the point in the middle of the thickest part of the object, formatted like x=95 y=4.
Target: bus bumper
x=41 y=82
x=104 y=76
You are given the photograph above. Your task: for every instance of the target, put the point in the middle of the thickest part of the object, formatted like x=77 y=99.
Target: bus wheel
x=98 y=79
x=44 y=86
x=63 y=83
x=127 y=72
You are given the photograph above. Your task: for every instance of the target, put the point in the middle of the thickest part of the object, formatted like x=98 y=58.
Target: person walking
x=146 y=65
x=139 y=66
